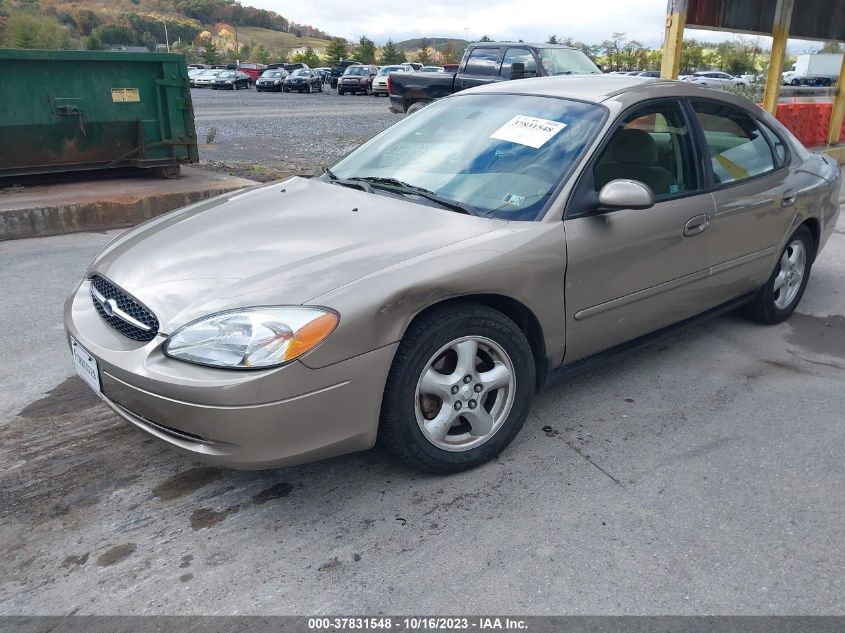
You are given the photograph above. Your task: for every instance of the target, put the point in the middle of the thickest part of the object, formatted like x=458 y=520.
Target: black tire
x=399 y=431
x=416 y=107
x=340 y=92
x=762 y=307
x=796 y=82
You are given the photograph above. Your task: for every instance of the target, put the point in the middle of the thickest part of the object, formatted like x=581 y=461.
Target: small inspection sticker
x=528 y=130
x=125 y=95
x=513 y=200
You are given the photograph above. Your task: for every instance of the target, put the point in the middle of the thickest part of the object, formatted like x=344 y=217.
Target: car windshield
x=302 y=72
x=566 y=61
x=389 y=69
x=226 y=73
x=501 y=155
x=356 y=70
x=272 y=73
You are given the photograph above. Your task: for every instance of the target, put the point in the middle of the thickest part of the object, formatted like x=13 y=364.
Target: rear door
x=749 y=173
x=630 y=272
x=482 y=68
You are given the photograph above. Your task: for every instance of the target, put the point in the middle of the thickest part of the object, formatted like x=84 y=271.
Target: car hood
x=281 y=244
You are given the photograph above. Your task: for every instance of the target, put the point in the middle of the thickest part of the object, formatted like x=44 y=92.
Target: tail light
x=388 y=83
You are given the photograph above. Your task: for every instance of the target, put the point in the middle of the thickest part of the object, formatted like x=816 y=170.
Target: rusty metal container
x=64 y=111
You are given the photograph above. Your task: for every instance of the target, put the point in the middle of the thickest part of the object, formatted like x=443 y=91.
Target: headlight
x=278 y=81
x=250 y=338
x=230 y=81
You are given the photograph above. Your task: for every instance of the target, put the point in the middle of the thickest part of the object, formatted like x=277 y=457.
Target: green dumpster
x=64 y=111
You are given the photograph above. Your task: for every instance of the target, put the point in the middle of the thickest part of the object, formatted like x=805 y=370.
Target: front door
x=630 y=272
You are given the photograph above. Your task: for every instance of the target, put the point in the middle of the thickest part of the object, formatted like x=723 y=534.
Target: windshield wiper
x=393 y=184
x=355 y=183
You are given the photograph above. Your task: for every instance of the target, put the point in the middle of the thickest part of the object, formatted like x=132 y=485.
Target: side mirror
x=517 y=70
x=626 y=194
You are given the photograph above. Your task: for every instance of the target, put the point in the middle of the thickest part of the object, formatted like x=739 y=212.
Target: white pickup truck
x=818 y=69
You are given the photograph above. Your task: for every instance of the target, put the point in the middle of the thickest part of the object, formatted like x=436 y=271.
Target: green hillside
x=192 y=26
x=280 y=41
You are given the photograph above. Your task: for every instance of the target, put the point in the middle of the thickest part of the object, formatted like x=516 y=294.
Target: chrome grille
x=127 y=316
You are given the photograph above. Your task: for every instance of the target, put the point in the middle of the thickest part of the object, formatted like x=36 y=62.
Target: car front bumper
x=245 y=419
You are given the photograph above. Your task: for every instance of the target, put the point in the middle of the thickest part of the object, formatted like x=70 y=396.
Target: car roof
x=624 y=89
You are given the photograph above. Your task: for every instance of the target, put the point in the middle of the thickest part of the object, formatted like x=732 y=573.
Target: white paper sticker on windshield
x=528 y=130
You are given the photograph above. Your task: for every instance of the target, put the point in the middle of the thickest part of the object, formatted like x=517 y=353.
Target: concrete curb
x=95 y=206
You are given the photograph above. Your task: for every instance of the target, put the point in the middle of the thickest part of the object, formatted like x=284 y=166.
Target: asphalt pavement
x=701 y=475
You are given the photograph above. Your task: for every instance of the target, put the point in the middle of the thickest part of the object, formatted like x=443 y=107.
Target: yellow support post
x=676 y=18
x=838 y=113
x=780 y=33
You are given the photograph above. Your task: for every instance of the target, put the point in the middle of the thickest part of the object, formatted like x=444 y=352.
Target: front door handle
x=696 y=224
x=788 y=198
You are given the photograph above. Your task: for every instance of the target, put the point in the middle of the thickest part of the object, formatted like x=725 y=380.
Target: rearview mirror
x=517 y=70
x=626 y=194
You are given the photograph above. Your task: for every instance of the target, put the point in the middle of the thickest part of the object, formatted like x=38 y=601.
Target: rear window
x=482 y=61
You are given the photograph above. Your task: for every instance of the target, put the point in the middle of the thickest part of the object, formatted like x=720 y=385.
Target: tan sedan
x=428 y=285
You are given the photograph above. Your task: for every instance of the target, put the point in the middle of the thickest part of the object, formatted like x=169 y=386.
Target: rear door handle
x=788 y=198
x=696 y=224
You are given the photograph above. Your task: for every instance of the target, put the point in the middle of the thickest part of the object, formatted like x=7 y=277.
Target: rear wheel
x=459 y=389
x=777 y=299
x=340 y=92
x=416 y=107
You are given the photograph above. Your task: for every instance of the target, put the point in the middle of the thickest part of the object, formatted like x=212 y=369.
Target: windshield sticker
x=513 y=200
x=528 y=130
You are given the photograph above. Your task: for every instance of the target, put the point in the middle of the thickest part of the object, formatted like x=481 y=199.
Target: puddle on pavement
x=116 y=554
x=71 y=396
x=820 y=335
x=277 y=491
x=186 y=482
x=206 y=517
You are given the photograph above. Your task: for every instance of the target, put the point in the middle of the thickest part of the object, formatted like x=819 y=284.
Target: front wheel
x=459 y=389
x=777 y=299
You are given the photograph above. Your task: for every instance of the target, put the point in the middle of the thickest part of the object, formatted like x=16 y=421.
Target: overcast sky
x=590 y=21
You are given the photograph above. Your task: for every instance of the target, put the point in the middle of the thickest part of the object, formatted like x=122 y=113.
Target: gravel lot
x=269 y=135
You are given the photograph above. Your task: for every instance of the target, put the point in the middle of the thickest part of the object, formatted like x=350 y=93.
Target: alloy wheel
x=465 y=393
x=787 y=284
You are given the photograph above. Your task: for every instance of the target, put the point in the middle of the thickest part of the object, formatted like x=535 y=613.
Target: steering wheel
x=547 y=172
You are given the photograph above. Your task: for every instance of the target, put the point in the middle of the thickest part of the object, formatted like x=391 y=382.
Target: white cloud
x=584 y=20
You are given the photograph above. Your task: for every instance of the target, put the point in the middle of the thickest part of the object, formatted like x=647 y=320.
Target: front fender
x=523 y=261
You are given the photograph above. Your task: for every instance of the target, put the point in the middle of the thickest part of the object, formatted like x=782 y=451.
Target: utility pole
x=166 y=38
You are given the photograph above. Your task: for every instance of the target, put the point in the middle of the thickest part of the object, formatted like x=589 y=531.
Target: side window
x=776 y=142
x=519 y=55
x=651 y=145
x=482 y=61
x=738 y=150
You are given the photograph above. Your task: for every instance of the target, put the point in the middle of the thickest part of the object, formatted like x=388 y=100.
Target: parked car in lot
x=303 y=80
x=205 y=78
x=429 y=284
x=252 y=69
x=231 y=80
x=193 y=73
x=715 y=79
x=357 y=79
x=486 y=63
x=271 y=80
x=338 y=70
x=379 y=83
